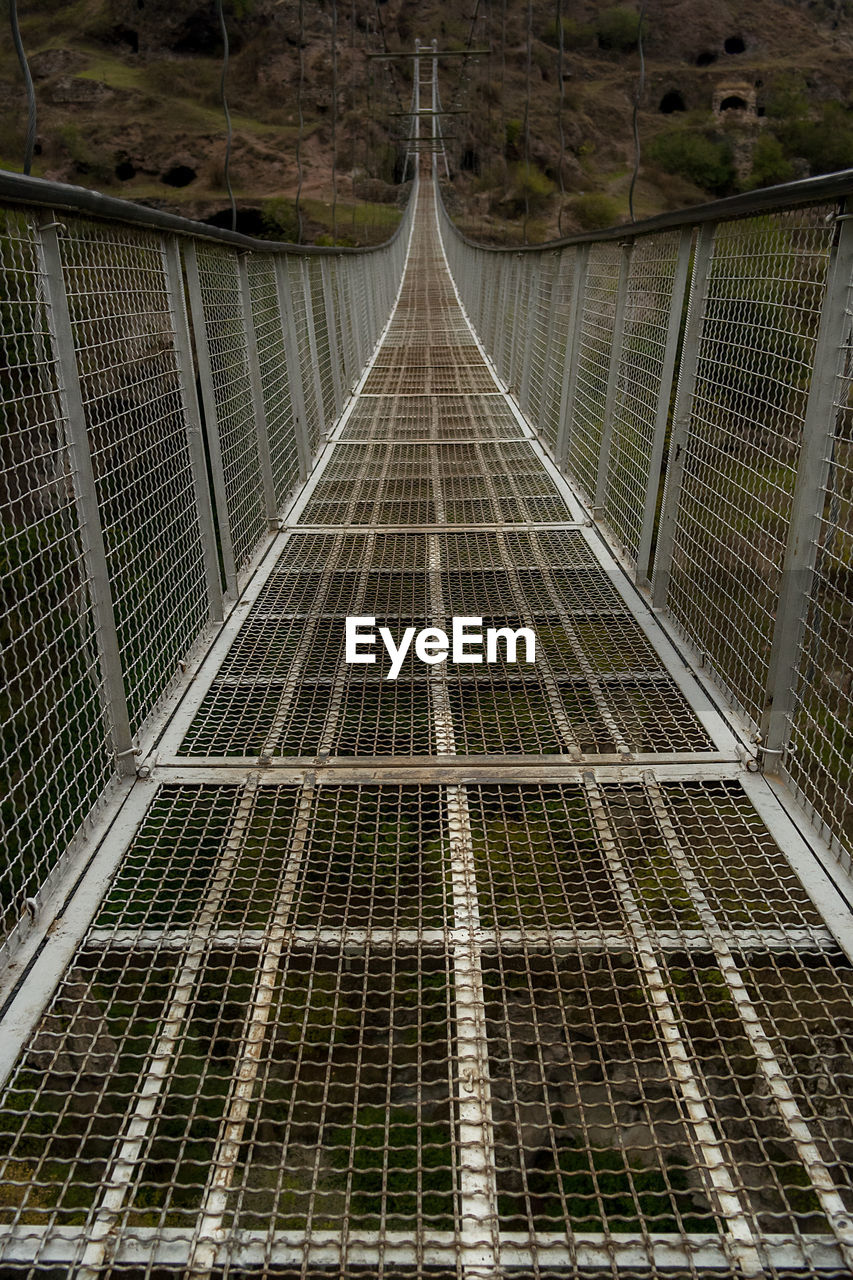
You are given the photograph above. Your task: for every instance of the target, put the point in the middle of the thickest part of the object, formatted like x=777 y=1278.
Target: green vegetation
x=618 y=28
x=576 y=35
x=769 y=163
x=280 y=220
x=702 y=159
x=604 y=1189
x=595 y=210
x=531 y=189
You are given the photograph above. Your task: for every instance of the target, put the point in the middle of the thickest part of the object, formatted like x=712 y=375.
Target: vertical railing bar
x=86 y=499
x=522 y=292
x=257 y=389
x=613 y=371
x=291 y=352
x=800 y=560
x=500 y=317
x=549 y=339
x=312 y=348
x=534 y=292
x=195 y=436
x=208 y=399
x=683 y=413
x=571 y=359
x=332 y=327
x=679 y=286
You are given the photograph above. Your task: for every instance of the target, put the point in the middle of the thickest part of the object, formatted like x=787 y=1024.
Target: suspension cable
x=352 y=114
x=334 y=121
x=301 y=122
x=29 y=144
x=464 y=60
x=228 y=132
x=527 y=118
x=641 y=85
x=562 y=132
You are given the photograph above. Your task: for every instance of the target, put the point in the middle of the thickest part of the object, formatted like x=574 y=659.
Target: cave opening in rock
x=670 y=102
x=180 y=175
x=250 y=222
x=733 y=103
x=125 y=171
x=734 y=44
x=706 y=58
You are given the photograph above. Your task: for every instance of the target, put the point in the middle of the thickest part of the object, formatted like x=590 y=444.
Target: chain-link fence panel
x=55 y=754
x=124 y=336
x=761 y=306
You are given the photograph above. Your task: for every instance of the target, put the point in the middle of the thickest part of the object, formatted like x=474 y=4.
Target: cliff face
x=736 y=94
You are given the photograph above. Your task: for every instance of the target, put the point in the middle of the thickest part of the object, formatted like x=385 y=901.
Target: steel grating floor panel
x=487 y=971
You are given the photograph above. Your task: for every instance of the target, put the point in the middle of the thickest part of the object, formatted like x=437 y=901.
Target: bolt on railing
x=128 y=519
x=734 y=509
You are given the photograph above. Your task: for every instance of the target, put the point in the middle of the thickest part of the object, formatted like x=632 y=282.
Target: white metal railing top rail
x=734 y=506
x=130 y=511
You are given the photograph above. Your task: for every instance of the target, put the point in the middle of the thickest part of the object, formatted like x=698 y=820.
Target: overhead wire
x=641 y=85
x=527 y=118
x=334 y=121
x=224 y=99
x=30 y=140
x=561 y=130
x=301 y=122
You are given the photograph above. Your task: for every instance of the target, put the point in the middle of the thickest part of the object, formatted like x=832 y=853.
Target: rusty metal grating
x=265 y=1041
x=443 y=418
x=501 y=482
x=485 y=971
x=597 y=687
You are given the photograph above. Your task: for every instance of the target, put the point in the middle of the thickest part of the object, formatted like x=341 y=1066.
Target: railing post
x=208 y=399
x=549 y=336
x=261 y=430
x=813 y=468
x=612 y=378
x=195 y=438
x=294 y=372
x=572 y=355
x=682 y=414
x=348 y=323
x=500 y=319
x=86 y=498
x=679 y=284
x=521 y=278
x=332 y=328
x=312 y=345
x=534 y=291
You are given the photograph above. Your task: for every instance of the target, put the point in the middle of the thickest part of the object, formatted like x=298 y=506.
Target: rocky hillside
x=736 y=94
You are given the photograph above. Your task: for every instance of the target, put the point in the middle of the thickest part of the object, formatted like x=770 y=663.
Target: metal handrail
x=17 y=188
x=828 y=186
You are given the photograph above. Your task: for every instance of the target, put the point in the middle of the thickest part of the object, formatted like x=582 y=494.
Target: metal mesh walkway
x=489 y=970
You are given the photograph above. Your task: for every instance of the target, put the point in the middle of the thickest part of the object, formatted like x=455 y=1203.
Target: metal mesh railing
x=751 y=538
x=114 y=549
x=501 y=968
x=55 y=761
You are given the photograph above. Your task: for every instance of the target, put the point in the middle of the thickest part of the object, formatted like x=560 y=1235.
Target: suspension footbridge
x=495 y=968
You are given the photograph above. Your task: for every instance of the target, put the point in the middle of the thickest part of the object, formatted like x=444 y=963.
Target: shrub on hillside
x=769 y=163
x=618 y=28
x=531 y=189
x=595 y=210
x=706 y=162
